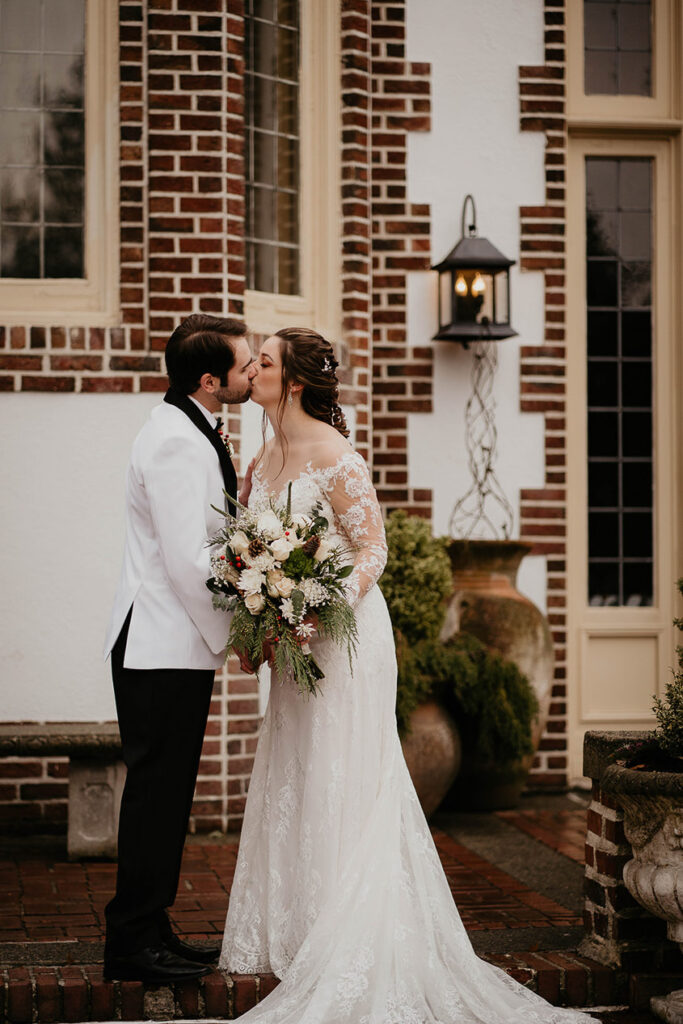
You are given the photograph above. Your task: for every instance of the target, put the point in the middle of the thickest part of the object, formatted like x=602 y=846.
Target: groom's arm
x=175 y=482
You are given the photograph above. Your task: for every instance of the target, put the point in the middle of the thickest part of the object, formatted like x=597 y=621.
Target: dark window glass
x=618 y=47
x=42 y=138
x=619 y=379
x=272 y=159
x=602 y=332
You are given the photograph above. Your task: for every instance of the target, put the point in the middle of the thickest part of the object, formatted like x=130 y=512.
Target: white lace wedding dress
x=338 y=887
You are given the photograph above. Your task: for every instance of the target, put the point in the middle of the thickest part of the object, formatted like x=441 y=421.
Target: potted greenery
x=486 y=695
x=416 y=584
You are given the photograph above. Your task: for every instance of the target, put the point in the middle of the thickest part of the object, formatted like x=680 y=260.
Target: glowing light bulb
x=460 y=285
x=478 y=285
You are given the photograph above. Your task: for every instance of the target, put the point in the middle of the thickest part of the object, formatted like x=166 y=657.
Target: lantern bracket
x=472 y=225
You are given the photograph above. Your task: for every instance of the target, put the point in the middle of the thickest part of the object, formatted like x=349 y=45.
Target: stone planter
x=432 y=752
x=652 y=804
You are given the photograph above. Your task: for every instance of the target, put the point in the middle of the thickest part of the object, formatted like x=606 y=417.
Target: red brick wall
x=402 y=375
x=181 y=112
x=543 y=367
x=181 y=251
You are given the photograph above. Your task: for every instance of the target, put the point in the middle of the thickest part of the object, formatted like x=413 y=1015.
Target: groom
x=166 y=640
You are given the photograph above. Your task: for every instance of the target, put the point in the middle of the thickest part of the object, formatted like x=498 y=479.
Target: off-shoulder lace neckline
x=308 y=470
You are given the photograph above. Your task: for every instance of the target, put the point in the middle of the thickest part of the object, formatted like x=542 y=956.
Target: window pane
x=20 y=251
x=64 y=138
x=19 y=80
x=63 y=80
x=637 y=434
x=601 y=283
x=636 y=333
x=638 y=583
x=64 y=26
x=64 y=196
x=618 y=47
x=272 y=122
x=20 y=195
x=19 y=137
x=20 y=25
x=603 y=428
x=602 y=333
x=603 y=534
x=63 y=252
x=603 y=583
x=619 y=383
x=42 y=138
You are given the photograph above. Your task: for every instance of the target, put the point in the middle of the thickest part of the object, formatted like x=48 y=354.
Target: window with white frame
x=57 y=178
x=292 y=216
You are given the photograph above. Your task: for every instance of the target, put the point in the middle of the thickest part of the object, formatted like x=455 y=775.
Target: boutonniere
x=225 y=438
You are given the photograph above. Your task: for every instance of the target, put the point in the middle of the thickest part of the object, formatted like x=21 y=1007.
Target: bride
x=338 y=887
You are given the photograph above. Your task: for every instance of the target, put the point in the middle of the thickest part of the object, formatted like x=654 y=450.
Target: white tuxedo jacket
x=173 y=479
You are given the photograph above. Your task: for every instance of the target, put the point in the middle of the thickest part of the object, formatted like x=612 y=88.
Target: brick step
x=79 y=993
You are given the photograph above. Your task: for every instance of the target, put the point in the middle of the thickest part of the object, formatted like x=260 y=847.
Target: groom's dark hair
x=201 y=344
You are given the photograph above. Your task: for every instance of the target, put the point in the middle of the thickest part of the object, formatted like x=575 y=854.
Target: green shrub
x=417 y=577
x=491 y=701
x=669 y=711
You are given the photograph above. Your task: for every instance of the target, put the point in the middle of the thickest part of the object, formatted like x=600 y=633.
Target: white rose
x=272 y=579
x=251 y=581
x=281 y=549
x=239 y=542
x=324 y=549
x=254 y=603
x=285 y=586
x=269 y=525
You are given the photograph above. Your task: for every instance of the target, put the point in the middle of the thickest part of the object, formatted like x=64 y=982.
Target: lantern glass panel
x=502 y=297
x=445 y=298
x=473 y=293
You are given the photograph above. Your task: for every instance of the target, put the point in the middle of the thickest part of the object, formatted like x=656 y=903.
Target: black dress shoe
x=195 y=954
x=156 y=965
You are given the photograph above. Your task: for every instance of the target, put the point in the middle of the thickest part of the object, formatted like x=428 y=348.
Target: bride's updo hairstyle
x=308 y=359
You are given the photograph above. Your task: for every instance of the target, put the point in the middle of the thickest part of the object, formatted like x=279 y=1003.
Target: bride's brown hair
x=308 y=359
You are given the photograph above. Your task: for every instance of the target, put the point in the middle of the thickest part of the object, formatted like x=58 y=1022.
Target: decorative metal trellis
x=485 y=503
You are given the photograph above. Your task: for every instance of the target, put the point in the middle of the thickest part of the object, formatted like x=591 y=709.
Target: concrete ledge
x=60 y=739
x=96 y=776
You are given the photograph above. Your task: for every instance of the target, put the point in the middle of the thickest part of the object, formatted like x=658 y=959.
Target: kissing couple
x=338 y=887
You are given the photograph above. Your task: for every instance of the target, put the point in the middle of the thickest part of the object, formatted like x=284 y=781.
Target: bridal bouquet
x=279 y=573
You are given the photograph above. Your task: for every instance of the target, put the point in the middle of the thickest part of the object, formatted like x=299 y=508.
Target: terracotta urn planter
x=487 y=604
x=432 y=751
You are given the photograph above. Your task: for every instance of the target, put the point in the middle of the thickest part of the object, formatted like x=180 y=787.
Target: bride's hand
x=245 y=490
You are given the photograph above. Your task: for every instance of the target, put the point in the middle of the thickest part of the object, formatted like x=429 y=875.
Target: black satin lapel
x=185 y=405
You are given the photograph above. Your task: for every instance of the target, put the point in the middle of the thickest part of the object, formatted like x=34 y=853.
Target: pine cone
x=311 y=545
x=256 y=547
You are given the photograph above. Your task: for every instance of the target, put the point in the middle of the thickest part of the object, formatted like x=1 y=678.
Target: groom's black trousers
x=162 y=718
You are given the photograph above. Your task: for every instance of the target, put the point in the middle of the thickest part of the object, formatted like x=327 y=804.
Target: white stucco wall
x=475 y=145
x=64 y=461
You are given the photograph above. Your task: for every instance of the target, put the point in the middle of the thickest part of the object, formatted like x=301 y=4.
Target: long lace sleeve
x=353 y=498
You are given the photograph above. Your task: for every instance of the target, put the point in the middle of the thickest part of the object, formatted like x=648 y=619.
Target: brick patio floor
x=564 y=831
x=47 y=901
x=51 y=932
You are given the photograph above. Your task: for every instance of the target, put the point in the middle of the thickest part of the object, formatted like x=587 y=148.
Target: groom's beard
x=229 y=396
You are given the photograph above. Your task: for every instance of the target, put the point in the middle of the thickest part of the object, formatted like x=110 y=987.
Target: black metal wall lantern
x=474 y=288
